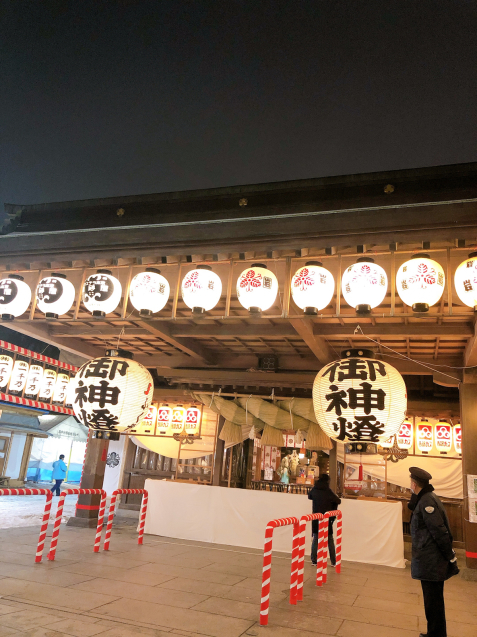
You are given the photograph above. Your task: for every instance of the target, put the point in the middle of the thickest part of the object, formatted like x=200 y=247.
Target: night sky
x=109 y=98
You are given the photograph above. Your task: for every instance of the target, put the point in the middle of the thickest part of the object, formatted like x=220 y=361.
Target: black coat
x=324 y=500
x=431 y=539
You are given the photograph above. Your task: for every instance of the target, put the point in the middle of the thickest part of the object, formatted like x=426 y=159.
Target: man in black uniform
x=433 y=559
x=324 y=500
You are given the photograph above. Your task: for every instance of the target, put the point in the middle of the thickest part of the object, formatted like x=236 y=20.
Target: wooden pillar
x=26 y=457
x=93 y=475
x=468 y=411
x=219 y=454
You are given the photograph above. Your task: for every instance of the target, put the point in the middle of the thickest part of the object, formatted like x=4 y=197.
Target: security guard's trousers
x=434 y=607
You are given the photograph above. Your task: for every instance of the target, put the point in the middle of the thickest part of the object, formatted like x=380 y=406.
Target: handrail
x=267 y=561
x=46 y=513
x=59 y=513
x=142 y=515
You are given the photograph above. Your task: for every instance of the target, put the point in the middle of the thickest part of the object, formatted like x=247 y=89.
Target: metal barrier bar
x=267 y=563
x=59 y=514
x=46 y=513
x=142 y=515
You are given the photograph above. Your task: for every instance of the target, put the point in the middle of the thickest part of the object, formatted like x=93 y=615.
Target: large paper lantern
x=424 y=436
x=364 y=285
x=149 y=292
x=312 y=287
x=465 y=280
x=55 y=295
x=359 y=398
x=458 y=438
x=19 y=377
x=101 y=293
x=6 y=366
x=15 y=297
x=405 y=435
x=443 y=436
x=201 y=289
x=420 y=282
x=257 y=288
x=112 y=393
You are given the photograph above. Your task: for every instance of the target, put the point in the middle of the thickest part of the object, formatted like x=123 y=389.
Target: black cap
x=420 y=474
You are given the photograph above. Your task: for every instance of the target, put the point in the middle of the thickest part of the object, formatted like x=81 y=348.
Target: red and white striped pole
x=56 y=526
x=142 y=515
x=324 y=549
x=267 y=565
x=295 y=562
x=99 y=528
x=339 y=536
x=301 y=558
x=46 y=513
x=321 y=545
x=44 y=526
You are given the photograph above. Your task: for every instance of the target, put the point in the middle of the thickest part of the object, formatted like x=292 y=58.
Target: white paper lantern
x=443 y=436
x=388 y=443
x=420 y=282
x=312 y=287
x=465 y=280
x=192 y=421
x=112 y=393
x=47 y=385
x=61 y=388
x=55 y=295
x=201 y=289
x=101 y=293
x=364 y=285
x=359 y=398
x=19 y=377
x=6 y=366
x=149 y=292
x=405 y=435
x=257 y=288
x=34 y=380
x=164 y=421
x=424 y=437
x=178 y=419
x=15 y=297
x=147 y=426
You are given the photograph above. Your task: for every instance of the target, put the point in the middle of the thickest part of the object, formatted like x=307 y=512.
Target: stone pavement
x=174 y=587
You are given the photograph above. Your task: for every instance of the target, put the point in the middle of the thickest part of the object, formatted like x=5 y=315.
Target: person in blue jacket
x=59 y=473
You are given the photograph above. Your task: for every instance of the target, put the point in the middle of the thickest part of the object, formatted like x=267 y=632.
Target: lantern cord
x=358 y=327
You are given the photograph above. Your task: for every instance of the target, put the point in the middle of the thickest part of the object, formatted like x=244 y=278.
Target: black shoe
x=422 y=634
x=313 y=563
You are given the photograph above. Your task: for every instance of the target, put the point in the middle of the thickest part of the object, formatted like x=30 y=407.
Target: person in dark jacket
x=433 y=559
x=324 y=500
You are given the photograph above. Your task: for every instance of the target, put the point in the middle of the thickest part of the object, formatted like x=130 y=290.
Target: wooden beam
x=187 y=345
x=227 y=377
x=100 y=331
x=73 y=345
x=393 y=329
x=317 y=344
x=470 y=355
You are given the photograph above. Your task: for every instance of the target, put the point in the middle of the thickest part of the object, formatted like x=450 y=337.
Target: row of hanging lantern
x=34 y=381
x=420 y=283
x=440 y=437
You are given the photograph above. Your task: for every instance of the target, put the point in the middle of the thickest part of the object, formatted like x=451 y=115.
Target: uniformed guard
x=433 y=559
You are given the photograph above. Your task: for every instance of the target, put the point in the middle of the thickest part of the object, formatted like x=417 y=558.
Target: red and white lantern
x=312 y=287
x=201 y=289
x=364 y=285
x=178 y=419
x=420 y=282
x=443 y=436
x=164 y=420
x=192 y=422
x=257 y=288
x=424 y=436
x=458 y=438
x=405 y=435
